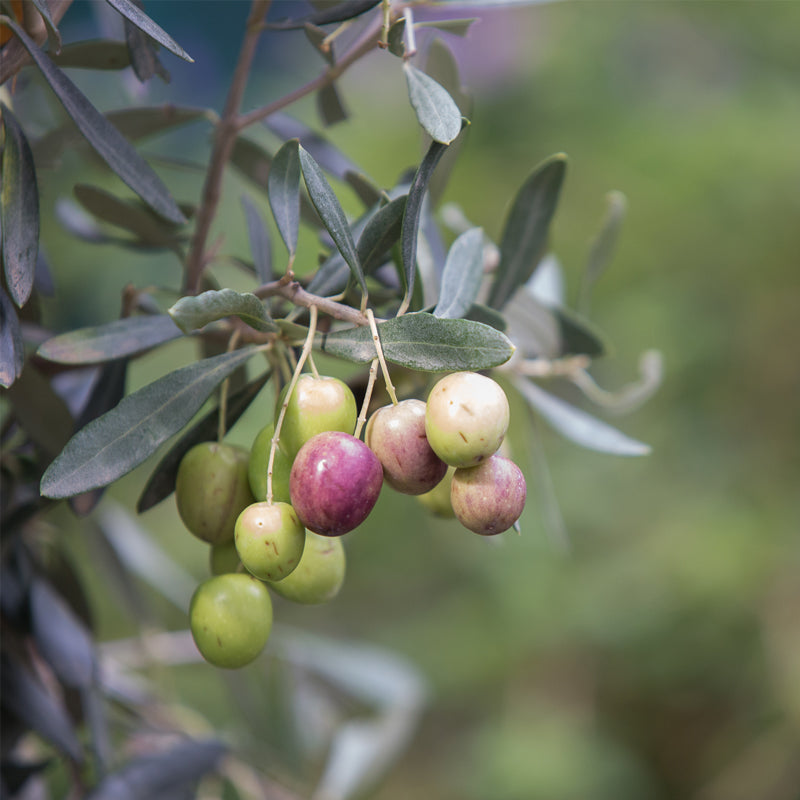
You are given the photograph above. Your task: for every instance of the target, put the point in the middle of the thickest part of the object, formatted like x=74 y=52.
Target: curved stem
x=296 y=294
x=379 y=350
x=362 y=415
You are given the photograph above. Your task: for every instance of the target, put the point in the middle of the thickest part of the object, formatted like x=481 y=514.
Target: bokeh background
x=659 y=656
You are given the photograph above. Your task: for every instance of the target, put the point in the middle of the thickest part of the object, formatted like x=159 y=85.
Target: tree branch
x=296 y=294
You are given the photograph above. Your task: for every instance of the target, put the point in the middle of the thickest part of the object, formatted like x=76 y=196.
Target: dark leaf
x=61 y=638
x=604 y=244
x=143 y=53
x=112 y=146
x=348 y=9
x=317 y=37
x=123 y=337
x=526 y=229
x=458 y=27
x=161 y=482
x=283 y=187
x=167 y=774
x=12 y=348
x=332 y=215
x=53 y=36
x=19 y=216
x=330 y=106
x=380 y=234
x=104 y=54
x=578 y=426
x=486 y=315
x=28 y=700
x=195 y=311
x=367 y=191
x=16 y=773
x=462 y=276
x=436 y=111
x=133 y=13
x=258 y=236
x=396 y=38
x=424 y=342
x=112 y=445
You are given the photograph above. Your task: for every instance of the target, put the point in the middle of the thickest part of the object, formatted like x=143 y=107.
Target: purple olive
x=334 y=483
x=396 y=434
x=489 y=498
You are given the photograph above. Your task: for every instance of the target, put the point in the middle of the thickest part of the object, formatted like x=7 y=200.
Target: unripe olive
x=334 y=483
x=319 y=575
x=231 y=619
x=489 y=498
x=223 y=558
x=211 y=490
x=396 y=434
x=466 y=418
x=269 y=539
x=437 y=500
x=257 y=468
x=316 y=405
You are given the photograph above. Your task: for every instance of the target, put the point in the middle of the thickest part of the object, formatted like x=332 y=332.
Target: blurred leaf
x=332 y=215
x=143 y=52
x=396 y=38
x=30 y=701
x=135 y=15
x=423 y=342
x=112 y=445
x=195 y=311
x=367 y=191
x=161 y=482
x=62 y=639
x=577 y=425
x=53 y=36
x=19 y=216
x=458 y=27
x=283 y=187
x=436 y=111
x=317 y=37
x=380 y=234
x=330 y=106
x=603 y=246
x=106 y=54
x=167 y=774
x=123 y=337
x=348 y=9
x=41 y=413
x=258 y=236
x=16 y=773
x=462 y=276
x=486 y=315
x=112 y=146
x=526 y=229
x=149 y=228
x=12 y=348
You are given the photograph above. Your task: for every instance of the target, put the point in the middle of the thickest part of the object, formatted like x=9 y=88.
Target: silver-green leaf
x=195 y=311
x=135 y=15
x=462 y=275
x=436 y=111
x=283 y=188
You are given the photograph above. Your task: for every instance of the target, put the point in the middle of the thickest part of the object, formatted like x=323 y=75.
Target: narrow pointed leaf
x=123 y=337
x=603 y=245
x=193 y=312
x=19 y=216
x=135 y=14
x=462 y=276
x=12 y=348
x=367 y=191
x=330 y=106
x=258 y=236
x=458 y=27
x=114 y=444
x=283 y=188
x=578 y=426
x=436 y=111
x=317 y=37
x=423 y=342
x=53 y=36
x=103 y=54
x=117 y=151
x=144 y=54
x=348 y=9
x=331 y=214
x=381 y=233
x=333 y=274
x=526 y=229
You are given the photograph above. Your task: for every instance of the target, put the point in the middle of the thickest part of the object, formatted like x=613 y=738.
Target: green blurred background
x=660 y=656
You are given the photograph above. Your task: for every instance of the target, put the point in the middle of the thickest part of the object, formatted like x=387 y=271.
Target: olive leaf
x=258 y=236
x=106 y=54
x=338 y=13
x=195 y=311
x=381 y=233
x=436 y=111
x=283 y=189
x=462 y=276
x=12 y=348
x=135 y=15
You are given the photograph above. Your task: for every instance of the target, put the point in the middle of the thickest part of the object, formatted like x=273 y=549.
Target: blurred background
x=659 y=656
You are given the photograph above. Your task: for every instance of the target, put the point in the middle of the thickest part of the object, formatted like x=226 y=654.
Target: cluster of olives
x=325 y=482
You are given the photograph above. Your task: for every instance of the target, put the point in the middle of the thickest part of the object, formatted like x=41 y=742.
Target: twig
x=296 y=294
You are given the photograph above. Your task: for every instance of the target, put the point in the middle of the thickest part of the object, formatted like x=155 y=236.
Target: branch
x=296 y=294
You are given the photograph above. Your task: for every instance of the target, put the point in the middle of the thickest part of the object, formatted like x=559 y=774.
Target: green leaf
x=258 y=236
x=196 y=311
x=331 y=214
x=603 y=245
x=423 y=342
x=114 y=444
x=462 y=276
x=133 y=13
x=396 y=38
x=106 y=54
x=381 y=233
x=143 y=53
x=53 y=36
x=19 y=216
x=458 y=27
x=368 y=193
x=112 y=146
x=526 y=229
x=283 y=188
x=317 y=37
x=330 y=106
x=436 y=111
x=123 y=337
x=12 y=348
x=577 y=425
x=348 y=9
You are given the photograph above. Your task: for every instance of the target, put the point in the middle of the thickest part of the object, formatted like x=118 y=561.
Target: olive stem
x=276 y=435
x=362 y=416
x=314 y=370
x=379 y=350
